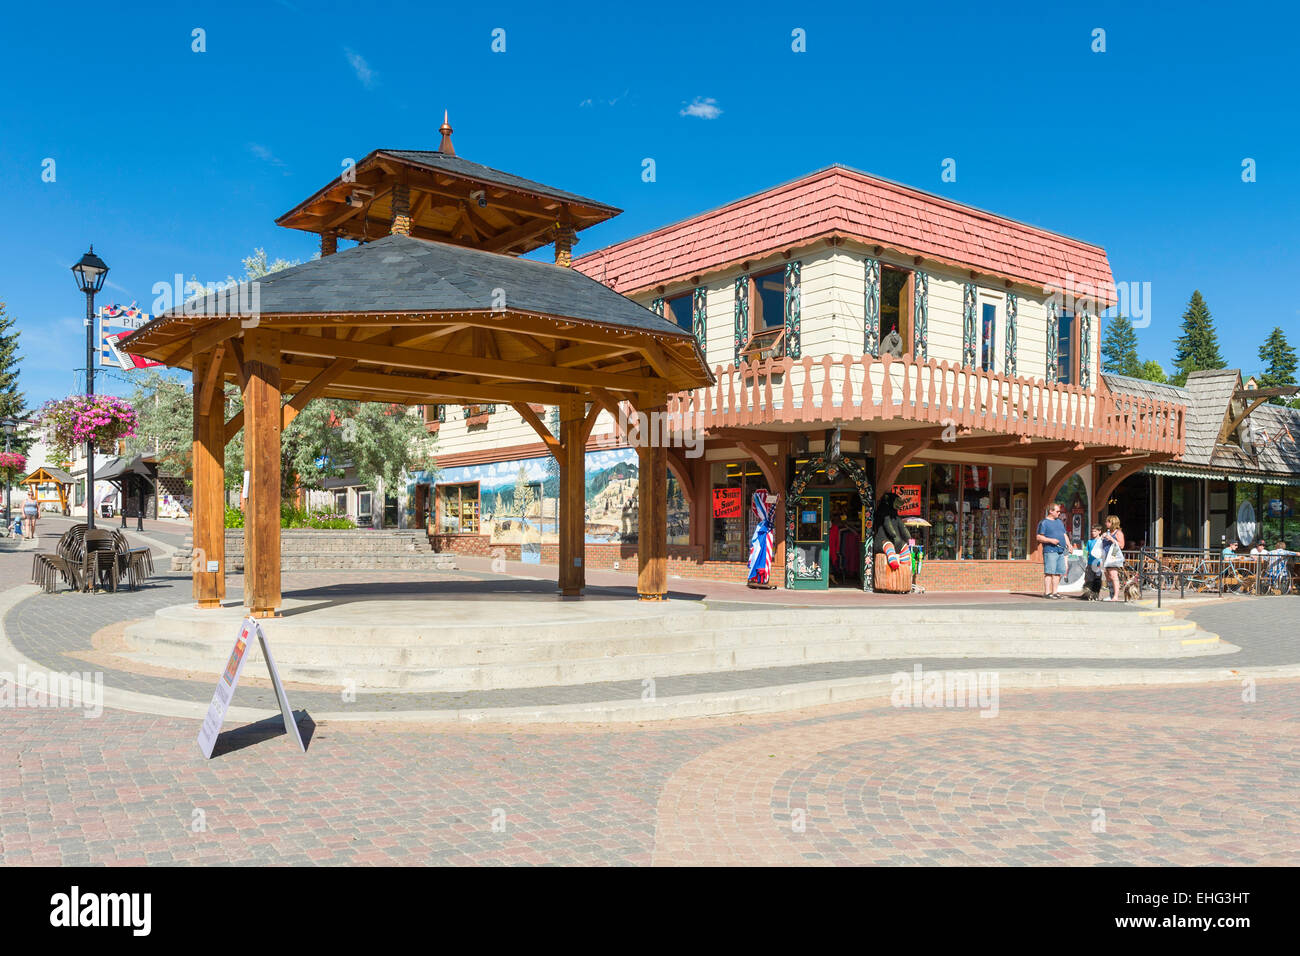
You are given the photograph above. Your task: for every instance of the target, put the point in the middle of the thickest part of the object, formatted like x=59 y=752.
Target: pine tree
x=1119 y=348
x=1198 y=346
x=1279 y=360
x=12 y=402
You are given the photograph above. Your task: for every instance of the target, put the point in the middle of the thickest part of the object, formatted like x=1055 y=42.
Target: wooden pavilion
x=45 y=476
x=434 y=308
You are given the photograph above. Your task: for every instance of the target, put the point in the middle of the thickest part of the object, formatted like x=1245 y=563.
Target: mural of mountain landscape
x=519 y=499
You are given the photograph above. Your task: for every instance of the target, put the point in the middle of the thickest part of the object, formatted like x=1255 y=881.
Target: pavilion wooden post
x=573 y=499
x=209 y=479
x=262 y=416
x=652 y=511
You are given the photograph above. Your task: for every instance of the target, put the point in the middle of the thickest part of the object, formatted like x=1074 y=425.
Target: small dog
x=1132 y=591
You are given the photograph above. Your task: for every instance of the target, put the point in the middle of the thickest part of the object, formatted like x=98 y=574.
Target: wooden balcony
x=862 y=389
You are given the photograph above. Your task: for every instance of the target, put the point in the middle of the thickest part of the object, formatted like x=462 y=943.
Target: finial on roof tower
x=445 y=129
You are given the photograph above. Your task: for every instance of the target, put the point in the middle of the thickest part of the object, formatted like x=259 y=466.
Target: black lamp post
x=90 y=272
x=10 y=427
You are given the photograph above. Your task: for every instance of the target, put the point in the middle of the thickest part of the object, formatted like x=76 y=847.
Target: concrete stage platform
x=526 y=639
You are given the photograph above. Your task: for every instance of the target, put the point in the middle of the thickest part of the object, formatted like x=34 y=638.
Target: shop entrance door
x=810 y=550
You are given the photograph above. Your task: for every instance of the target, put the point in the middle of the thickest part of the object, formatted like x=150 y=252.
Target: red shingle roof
x=844 y=202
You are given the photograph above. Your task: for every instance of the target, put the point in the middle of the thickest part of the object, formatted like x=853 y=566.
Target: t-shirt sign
x=726 y=503
x=909 y=500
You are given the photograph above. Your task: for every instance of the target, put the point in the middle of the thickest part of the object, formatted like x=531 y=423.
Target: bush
x=294 y=517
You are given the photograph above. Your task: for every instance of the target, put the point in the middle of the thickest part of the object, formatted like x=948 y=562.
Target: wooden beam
x=552 y=442
x=424 y=360
x=652 y=519
x=573 y=500
x=209 y=479
x=889 y=467
x=211 y=374
x=262 y=458
x=589 y=422
x=313 y=389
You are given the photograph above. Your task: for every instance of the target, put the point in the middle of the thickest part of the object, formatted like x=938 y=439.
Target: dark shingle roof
x=402 y=274
x=463 y=167
x=1142 y=388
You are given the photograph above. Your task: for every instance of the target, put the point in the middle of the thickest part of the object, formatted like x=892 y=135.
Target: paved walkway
x=56 y=630
x=1187 y=775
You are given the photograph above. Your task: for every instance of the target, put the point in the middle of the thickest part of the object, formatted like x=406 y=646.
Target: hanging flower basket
x=72 y=421
x=12 y=464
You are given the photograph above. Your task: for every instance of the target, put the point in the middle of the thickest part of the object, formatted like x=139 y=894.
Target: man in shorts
x=1056 y=543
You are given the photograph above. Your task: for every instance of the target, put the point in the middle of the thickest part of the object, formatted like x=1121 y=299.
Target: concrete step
x=437 y=659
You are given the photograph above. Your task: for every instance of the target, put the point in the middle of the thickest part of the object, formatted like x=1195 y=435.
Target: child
x=1092 y=574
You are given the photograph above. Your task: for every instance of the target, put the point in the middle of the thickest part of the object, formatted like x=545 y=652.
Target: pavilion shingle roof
x=451 y=163
x=403 y=274
x=844 y=201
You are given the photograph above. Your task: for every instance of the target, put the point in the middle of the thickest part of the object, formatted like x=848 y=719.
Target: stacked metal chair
x=64 y=564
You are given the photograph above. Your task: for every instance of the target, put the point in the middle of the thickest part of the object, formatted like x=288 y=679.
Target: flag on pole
x=762 y=543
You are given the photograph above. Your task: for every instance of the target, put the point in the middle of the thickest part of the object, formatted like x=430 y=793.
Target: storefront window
x=458 y=509
x=679 y=514
x=733 y=486
x=976 y=512
x=1182 y=512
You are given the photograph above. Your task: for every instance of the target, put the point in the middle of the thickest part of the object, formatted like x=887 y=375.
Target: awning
x=1191 y=471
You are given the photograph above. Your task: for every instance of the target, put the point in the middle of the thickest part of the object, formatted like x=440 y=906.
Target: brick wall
x=479 y=545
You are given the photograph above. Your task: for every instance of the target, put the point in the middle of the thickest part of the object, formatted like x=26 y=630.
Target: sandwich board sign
x=229 y=680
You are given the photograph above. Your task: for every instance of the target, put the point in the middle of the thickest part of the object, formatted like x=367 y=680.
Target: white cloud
x=704 y=107
x=360 y=67
x=264 y=154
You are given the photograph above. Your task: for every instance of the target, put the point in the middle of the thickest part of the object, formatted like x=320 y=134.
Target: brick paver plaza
x=1191 y=774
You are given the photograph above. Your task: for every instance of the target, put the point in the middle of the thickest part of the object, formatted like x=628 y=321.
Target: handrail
x=1177 y=576
x=863 y=387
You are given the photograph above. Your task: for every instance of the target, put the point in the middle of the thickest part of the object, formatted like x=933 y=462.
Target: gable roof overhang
x=409 y=321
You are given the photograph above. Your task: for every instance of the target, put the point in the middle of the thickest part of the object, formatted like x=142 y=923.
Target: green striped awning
x=1192 y=471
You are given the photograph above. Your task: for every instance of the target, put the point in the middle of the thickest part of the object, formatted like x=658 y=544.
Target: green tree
x=1152 y=372
x=1119 y=348
x=1279 y=360
x=166 y=428
x=1198 y=347
x=13 y=404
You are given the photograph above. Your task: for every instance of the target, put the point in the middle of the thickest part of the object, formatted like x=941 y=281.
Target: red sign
x=726 y=503
x=909 y=503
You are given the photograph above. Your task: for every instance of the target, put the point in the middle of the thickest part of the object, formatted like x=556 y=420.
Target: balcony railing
x=851 y=388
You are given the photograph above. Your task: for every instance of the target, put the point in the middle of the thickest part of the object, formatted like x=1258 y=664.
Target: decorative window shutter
x=657 y=306
x=968 y=325
x=1085 y=349
x=920 y=316
x=1052 y=331
x=699 y=315
x=871 y=294
x=1013 y=308
x=742 y=313
x=792 y=272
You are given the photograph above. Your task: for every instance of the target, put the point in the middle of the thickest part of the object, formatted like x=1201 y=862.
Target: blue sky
x=173 y=161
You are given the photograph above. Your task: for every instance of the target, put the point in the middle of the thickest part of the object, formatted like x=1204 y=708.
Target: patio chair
x=101 y=564
x=48 y=569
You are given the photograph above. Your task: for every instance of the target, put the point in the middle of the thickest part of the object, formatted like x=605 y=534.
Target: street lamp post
x=90 y=272
x=10 y=426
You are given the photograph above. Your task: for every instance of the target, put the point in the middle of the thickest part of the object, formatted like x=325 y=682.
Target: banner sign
x=229 y=680
x=909 y=500
x=727 y=503
x=116 y=322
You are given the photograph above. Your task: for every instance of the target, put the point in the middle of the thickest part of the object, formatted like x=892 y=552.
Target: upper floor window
x=1065 y=347
x=766 y=316
x=988 y=335
x=895 y=309
x=679 y=309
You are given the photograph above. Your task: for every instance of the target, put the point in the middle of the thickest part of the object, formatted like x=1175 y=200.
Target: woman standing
x=1114 y=560
x=31 y=509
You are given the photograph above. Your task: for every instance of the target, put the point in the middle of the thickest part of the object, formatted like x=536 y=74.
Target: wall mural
x=519 y=499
